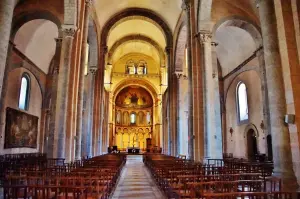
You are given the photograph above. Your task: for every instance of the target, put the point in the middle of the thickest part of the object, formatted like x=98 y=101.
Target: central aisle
x=136 y=181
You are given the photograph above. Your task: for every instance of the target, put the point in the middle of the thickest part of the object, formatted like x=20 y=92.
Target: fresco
x=21 y=129
x=134 y=97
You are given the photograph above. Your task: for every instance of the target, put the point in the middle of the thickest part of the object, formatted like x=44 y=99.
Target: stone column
x=6 y=15
x=63 y=89
x=170 y=103
x=282 y=157
x=186 y=8
x=54 y=83
x=81 y=81
x=264 y=90
x=91 y=77
x=212 y=133
x=217 y=144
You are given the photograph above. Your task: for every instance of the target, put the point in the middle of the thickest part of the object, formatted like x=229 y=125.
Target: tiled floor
x=136 y=182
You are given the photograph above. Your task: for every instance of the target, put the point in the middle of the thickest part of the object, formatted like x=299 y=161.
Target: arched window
x=24 y=92
x=132 y=118
x=242 y=102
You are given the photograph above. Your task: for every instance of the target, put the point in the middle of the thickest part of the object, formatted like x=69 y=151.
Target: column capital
x=93 y=70
x=55 y=70
x=168 y=49
x=186 y=5
x=180 y=74
x=88 y=3
x=104 y=49
x=257 y=2
x=69 y=30
x=204 y=36
x=58 y=41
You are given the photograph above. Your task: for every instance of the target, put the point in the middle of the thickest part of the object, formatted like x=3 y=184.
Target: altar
x=133 y=150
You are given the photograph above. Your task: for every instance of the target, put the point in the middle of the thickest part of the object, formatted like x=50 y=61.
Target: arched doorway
x=269 y=145
x=251 y=144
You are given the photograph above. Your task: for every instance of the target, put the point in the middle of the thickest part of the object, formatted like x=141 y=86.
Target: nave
x=136 y=181
x=80 y=79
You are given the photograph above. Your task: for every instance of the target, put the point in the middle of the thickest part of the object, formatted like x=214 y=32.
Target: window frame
x=239 y=121
x=27 y=95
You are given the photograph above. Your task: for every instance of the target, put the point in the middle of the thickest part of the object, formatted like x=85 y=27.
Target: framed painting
x=21 y=129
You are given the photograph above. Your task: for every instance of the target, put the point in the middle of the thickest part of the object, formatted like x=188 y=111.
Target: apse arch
x=129 y=13
x=135 y=82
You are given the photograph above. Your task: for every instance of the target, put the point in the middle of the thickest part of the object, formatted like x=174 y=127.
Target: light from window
x=23 y=98
x=242 y=102
x=132 y=118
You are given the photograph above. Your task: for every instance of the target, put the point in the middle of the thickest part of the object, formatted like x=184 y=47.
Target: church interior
x=149 y=99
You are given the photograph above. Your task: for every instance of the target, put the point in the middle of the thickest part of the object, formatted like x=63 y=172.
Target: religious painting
x=134 y=97
x=21 y=129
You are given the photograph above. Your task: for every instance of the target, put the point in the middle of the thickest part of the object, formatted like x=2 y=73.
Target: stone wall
x=237 y=142
x=12 y=100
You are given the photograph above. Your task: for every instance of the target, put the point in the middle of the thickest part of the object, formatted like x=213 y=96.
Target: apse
x=133 y=117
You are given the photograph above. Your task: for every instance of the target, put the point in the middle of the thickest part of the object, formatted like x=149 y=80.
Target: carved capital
x=180 y=75
x=69 y=30
x=204 y=37
x=257 y=3
x=88 y=3
x=186 y=5
x=93 y=70
x=104 y=49
x=214 y=44
x=58 y=41
x=55 y=70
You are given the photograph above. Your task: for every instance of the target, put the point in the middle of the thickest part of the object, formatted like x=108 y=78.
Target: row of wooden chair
x=179 y=178
x=90 y=178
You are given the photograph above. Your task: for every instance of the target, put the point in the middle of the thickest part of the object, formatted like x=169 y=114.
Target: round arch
x=249 y=127
x=40 y=83
x=23 y=18
x=226 y=89
x=136 y=82
x=140 y=12
x=136 y=37
x=249 y=26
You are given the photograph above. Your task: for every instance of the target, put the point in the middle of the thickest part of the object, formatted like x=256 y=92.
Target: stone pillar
x=62 y=90
x=170 y=103
x=92 y=75
x=186 y=8
x=264 y=90
x=212 y=133
x=217 y=144
x=54 y=83
x=282 y=157
x=6 y=15
x=81 y=81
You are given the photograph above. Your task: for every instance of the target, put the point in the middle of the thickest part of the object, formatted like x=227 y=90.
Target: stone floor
x=136 y=182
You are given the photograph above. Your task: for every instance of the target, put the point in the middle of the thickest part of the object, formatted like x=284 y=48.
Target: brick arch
x=138 y=12
x=24 y=17
x=249 y=26
x=136 y=37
